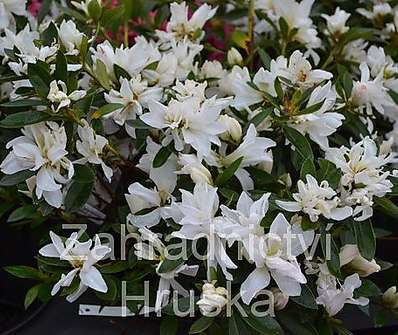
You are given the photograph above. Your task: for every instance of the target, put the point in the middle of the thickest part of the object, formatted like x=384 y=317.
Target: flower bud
x=390 y=298
x=234 y=57
x=201 y=175
x=351 y=258
x=212 y=300
x=280 y=299
x=234 y=129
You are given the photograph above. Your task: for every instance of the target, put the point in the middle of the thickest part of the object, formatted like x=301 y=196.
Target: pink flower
x=34 y=7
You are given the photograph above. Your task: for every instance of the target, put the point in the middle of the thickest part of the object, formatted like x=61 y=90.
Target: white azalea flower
x=180 y=27
x=165 y=72
x=352 y=259
x=70 y=37
x=133 y=60
x=140 y=198
x=91 y=146
x=196 y=215
x=189 y=122
x=334 y=299
x=192 y=165
x=212 y=300
x=234 y=57
x=253 y=149
x=185 y=54
x=234 y=129
x=41 y=149
x=60 y=97
x=315 y=200
x=363 y=175
x=355 y=51
x=322 y=123
x=82 y=256
x=378 y=11
x=9 y=7
x=368 y=93
x=336 y=23
x=134 y=95
x=274 y=254
x=83 y=5
x=155 y=250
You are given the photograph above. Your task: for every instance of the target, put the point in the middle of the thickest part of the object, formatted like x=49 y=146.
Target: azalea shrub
x=230 y=162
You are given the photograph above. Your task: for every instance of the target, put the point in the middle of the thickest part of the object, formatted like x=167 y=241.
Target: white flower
x=91 y=146
x=134 y=95
x=363 y=175
x=185 y=54
x=180 y=27
x=165 y=72
x=352 y=259
x=155 y=250
x=322 y=123
x=9 y=7
x=83 y=258
x=355 y=51
x=60 y=97
x=212 y=300
x=189 y=89
x=300 y=72
x=133 y=60
x=253 y=149
x=334 y=299
x=336 y=23
x=234 y=57
x=297 y=15
x=367 y=93
x=70 y=37
x=192 y=165
x=140 y=198
x=41 y=149
x=280 y=299
x=234 y=129
x=196 y=215
x=189 y=122
x=274 y=254
x=390 y=298
x=378 y=11
x=315 y=200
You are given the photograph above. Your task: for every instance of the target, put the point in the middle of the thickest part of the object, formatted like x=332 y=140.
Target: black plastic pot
x=16 y=248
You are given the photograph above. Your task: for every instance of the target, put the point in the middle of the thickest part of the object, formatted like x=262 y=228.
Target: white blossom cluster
x=213 y=134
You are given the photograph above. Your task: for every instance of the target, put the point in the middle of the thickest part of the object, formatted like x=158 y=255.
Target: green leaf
x=39 y=77
x=328 y=171
x=367 y=289
x=236 y=326
x=330 y=252
x=161 y=157
x=16 y=178
x=24 y=272
x=299 y=141
x=293 y=323
x=44 y=10
x=31 y=295
x=365 y=238
x=114 y=267
x=306 y=298
x=111 y=294
x=240 y=39
x=183 y=305
x=80 y=188
x=171 y=262
x=265 y=58
x=347 y=83
x=23 y=103
x=169 y=325
x=120 y=72
x=94 y=10
x=61 y=68
x=21 y=213
x=278 y=88
x=102 y=74
x=308 y=167
x=228 y=172
x=106 y=109
x=387 y=207
x=138 y=124
x=19 y=120
x=312 y=108
x=201 y=325
x=264 y=325
x=260 y=117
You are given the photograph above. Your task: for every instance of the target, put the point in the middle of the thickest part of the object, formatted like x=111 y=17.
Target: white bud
x=212 y=299
x=234 y=57
x=280 y=299
x=234 y=129
x=201 y=175
x=351 y=258
x=390 y=298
